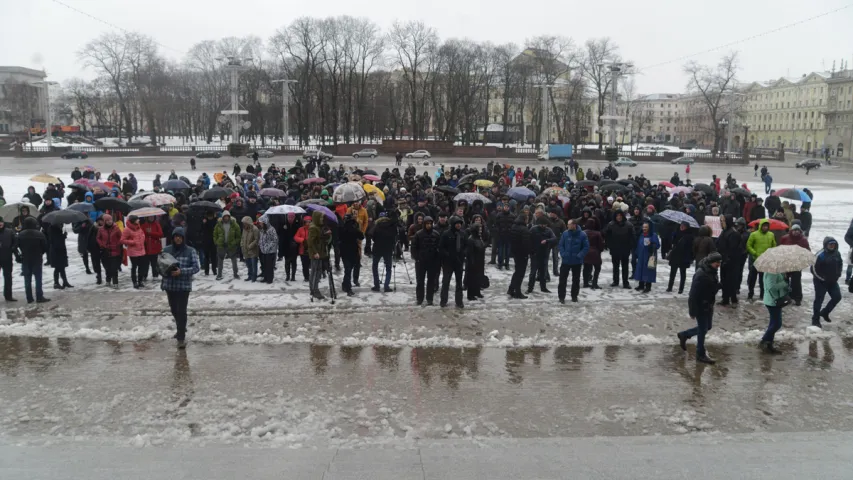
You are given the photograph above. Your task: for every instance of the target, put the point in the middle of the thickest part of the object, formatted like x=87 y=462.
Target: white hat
x=226 y=213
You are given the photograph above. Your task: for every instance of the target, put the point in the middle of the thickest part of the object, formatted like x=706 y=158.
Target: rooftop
x=22 y=71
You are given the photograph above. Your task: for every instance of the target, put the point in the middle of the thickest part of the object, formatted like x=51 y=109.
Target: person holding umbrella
x=178 y=281
x=700 y=305
x=759 y=242
x=826 y=272
x=268 y=245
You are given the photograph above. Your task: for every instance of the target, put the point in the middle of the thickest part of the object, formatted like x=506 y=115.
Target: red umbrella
x=372 y=178
x=666 y=184
x=309 y=181
x=774 y=224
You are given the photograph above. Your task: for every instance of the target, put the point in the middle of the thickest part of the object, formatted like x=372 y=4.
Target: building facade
x=21 y=102
x=839 y=114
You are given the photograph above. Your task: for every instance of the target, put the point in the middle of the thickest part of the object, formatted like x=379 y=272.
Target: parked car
x=810 y=163
x=624 y=162
x=418 y=154
x=683 y=161
x=67 y=155
x=307 y=154
x=208 y=154
x=261 y=153
x=367 y=152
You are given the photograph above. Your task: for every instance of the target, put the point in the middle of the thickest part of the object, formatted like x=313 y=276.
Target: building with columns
x=839 y=114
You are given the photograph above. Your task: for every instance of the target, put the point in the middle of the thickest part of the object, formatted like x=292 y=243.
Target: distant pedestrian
x=755 y=170
x=192 y=163
x=701 y=300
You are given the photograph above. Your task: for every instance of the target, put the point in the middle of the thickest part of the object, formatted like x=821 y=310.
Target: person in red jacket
x=795 y=237
x=133 y=238
x=300 y=237
x=153 y=246
x=109 y=239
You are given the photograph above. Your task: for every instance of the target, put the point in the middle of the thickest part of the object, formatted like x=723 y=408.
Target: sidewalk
x=798 y=456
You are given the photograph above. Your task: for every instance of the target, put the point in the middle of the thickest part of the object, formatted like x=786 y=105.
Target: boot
x=682 y=341
x=825 y=317
x=56 y=284
x=65 y=283
x=615 y=283
x=626 y=285
x=639 y=287
x=767 y=347
x=99 y=280
x=648 y=287
x=706 y=359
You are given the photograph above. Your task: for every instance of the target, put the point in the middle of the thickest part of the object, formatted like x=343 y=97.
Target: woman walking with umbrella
x=774 y=264
x=178 y=281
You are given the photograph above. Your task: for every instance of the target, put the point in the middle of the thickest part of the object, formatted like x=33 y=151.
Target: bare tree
x=714 y=88
x=597 y=53
x=108 y=55
x=414 y=43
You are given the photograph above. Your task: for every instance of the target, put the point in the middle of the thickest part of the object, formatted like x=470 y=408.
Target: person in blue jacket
x=826 y=272
x=94 y=214
x=646 y=249
x=574 y=246
x=205 y=180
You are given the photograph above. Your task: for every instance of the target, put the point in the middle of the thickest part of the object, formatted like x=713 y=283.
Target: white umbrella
x=284 y=210
x=348 y=193
x=784 y=259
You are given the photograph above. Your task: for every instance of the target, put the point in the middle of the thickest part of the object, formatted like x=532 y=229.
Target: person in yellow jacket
x=360 y=215
x=758 y=242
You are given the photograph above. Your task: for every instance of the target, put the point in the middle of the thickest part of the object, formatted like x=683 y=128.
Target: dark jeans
x=795 y=281
x=774 y=325
x=252 y=267
x=518 y=274
x=820 y=291
x=151 y=264
x=494 y=248
x=268 y=266
x=29 y=272
x=385 y=257
x=426 y=272
x=450 y=270
x=564 y=277
x=208 y=262
x=622 y=261
x=352 y=267
x=730 y=280
x=683 y=277
x=178 y=305
x=503 y=251
x=96 y=261
x=138 y=266
x=6 y=266
x=111 y=268
x=750 y=282
x=590 y=272
x=704 y=322
x=306 y=265
x=290 y=266
x=538 y=270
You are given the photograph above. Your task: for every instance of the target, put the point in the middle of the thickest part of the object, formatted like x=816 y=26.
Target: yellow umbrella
x=373 y=189
x=484 y=183
x=44 y=178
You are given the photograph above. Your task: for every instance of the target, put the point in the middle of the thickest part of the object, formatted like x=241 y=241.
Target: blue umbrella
x=520 y=193
x=793 y=194
x=678 y=217
x=328 y=213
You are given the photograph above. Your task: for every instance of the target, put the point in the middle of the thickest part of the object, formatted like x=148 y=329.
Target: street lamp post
x=46 y=84
x=726 y=124
x=285 y=114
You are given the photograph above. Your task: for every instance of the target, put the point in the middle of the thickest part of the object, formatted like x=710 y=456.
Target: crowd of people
x=450 y=225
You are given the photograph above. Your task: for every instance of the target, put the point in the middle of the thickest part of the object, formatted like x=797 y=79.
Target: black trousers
x=518 y=275
x=111 y=267
x=590 y=273
x=564 y=276
x=268 y=266
x=306 y=266
x=730 y=280
x=750 y=282
x=538 y=270
x=178 y=305
x=450 y=270
x=6 y=265
x=622 y=261
x=682 y=279
x=136 y=269
x=96 y=261
x=151 y=265
x=426 y=276
x=795 y=280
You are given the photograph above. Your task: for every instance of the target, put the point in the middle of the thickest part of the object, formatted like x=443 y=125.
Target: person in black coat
x=773 y=205
x=503 y=228
x=87 y=245
x=730 y=246
x=8 y=248
x=681 y=255
x=33 y=197
x=427 y=261
x=542 y=240
x=32 y=245
x=58 y=256
x=475 y=261
x=350 y=237
x=700 y=303
x=452 y=248
x=619 y=239
x=521 y=249
x=384 y=239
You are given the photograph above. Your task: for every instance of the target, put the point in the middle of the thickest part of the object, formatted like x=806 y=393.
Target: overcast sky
x=43 y=34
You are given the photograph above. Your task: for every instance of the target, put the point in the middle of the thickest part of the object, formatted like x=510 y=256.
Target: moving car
x=810 y=163
x=67 y=155
x=683 y=161
x=307 y=154
x=261 y=153
x=209 y=154
x=624 y=162
x=418 y=154
x=367 y=152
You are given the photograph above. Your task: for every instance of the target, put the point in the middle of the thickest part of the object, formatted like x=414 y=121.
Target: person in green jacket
x=758 y=242
x=775 y=288
x=317 y=245
x=226 y=238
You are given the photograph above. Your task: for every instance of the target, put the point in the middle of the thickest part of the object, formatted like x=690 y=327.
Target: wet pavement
x=149 y=393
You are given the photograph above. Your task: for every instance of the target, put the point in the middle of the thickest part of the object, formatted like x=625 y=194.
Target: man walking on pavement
x=452 y=247
x=700 y=304
x=826 y=272
x=574 y=246
x=8 y=248
x=178 y=282
x=427 y=261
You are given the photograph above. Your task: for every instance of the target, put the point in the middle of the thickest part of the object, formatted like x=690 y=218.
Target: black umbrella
x=113 y=204
x=137 y=204
x=313 y=201
x=215 y=193
x=205 y=205
x=705 y=188
x=370 y=172
x=296 y=169
x=78 y=186
x=59 y=217
x=741 y=191
x=175 y=185
x=447 y=189
x=467 y=179
x=82 y=207
x=185 y=180
x=627 y=182
x=248 y=176
x=585 y=183
x=613 y=187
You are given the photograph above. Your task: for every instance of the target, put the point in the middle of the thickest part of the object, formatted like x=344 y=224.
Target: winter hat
x=740 y=221
x=306 y=218
x=427 y=219
x=796 y=227
x=247 y=220
x=226 y=213
x=714 y=257
x=132 y=218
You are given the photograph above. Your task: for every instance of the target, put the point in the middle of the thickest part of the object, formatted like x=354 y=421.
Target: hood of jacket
x=317 y=218
x=827 y=241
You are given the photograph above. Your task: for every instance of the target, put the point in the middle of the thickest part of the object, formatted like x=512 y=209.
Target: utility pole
x=285 y=107
x=234 y=66
x=545 y=129
x=616 y=70
x=48 y=128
